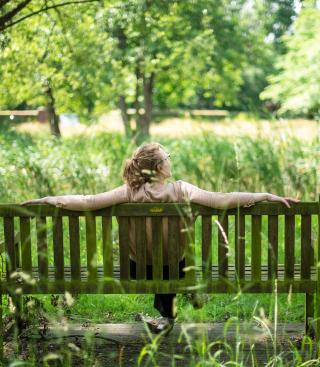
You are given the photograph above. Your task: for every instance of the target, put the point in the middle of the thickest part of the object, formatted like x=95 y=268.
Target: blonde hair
x=143 y=166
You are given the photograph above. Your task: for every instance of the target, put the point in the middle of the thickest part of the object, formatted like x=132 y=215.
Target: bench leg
x=309 y=314
x=1 y=327
x=317 y=324
x=17 y=300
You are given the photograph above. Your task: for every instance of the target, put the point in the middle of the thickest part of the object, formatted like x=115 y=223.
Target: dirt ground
x=123 y=344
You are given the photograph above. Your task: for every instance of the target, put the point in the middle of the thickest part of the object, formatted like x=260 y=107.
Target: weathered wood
x=58 y=247
x=157 y=253
x=9 y=245
x=91 y=246
x=172 y=286
x=272 y=246
x=107 y=246
x=141 y=243
x=161 y=209
x=240 y=245
x=124 y=247
x=256 y=247
x=289 y=245
x=223 y=246
x=173 y=243
x=307 y=253
x=206 y=244
x=74 y=237
x=25 y=236
x=42 y=246
x=187 y=238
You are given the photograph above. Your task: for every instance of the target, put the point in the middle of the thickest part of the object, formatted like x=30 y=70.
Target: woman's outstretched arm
x=228 y=200
x=85 y=202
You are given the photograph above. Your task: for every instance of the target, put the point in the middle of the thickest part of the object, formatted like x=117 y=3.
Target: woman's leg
x=165 y=302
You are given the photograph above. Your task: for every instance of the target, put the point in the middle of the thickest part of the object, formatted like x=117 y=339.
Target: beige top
x=178 y=191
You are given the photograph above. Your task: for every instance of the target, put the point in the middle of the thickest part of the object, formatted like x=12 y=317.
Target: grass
x=215 y=158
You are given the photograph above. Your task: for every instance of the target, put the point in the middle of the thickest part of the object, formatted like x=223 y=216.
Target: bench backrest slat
x=58 y=247
x=42 y=246
x=173 y=245
x=256 y=247
x=273 y=246
x=74 y=241
x=157 y=248
x=107 y=246
x=223 y=245
x=11 y=260
x=289 y=246
x=141 y=246
x=307 y=252
x=124 y=248
x=187 y=233
x=91 y=241
x=25 y=236
x=206 y=246
x=240 y=246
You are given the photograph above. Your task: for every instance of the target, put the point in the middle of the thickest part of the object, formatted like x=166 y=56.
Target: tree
x=12 y=13
x=167 y=53
x=296 y=84
x=59 y=67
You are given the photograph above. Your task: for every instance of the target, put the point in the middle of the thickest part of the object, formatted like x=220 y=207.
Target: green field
x=34 y=165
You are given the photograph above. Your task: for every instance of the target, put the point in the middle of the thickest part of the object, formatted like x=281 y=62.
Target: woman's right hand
x=34 y=201
x=284 y=200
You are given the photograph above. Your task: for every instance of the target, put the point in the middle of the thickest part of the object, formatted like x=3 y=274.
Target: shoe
x=197 y=300
x=160 y=325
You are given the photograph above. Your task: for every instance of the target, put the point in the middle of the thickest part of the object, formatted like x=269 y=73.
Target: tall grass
x=36 y=167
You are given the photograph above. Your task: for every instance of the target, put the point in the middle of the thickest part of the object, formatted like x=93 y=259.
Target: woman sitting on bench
x=145 y=175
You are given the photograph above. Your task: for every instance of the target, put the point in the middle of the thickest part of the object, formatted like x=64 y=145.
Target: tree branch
x=8 y=16
x=6 y=25
x=3 y=3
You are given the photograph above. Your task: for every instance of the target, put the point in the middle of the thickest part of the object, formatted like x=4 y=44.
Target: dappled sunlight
x=182 y=127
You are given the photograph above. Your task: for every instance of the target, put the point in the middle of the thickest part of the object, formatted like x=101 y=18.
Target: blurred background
x=230 y=88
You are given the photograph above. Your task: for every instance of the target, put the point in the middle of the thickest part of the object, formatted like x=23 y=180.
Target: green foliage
x=296 y=85
x=58 y=50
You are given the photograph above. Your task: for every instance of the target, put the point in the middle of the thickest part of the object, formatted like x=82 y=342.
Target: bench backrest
x=29 y=250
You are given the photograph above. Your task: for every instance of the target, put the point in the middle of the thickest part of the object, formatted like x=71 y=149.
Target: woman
x=145 y=176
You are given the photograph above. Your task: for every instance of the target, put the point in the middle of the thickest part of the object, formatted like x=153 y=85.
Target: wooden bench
x=62 y=250
x=41 y=113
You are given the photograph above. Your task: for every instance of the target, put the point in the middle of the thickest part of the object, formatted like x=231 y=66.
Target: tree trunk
x=125 y=116
x=53 y=117
x=147 y=94
x=143 y=128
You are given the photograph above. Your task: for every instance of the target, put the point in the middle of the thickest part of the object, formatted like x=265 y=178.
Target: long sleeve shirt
x=178 y=191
